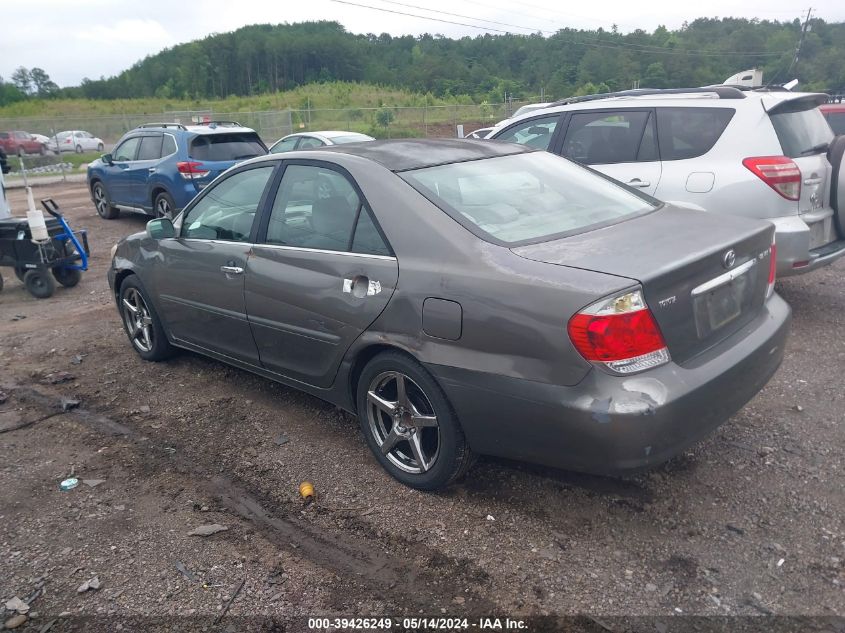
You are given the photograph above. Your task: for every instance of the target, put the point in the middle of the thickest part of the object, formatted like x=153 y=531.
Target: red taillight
x=773 y=266
x=619 y=332
x=779 y=172
x=191 y=169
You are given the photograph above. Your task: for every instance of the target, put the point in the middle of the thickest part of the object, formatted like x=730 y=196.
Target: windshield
x=802 y=131
x=351 y=138
x=527 y=197
x=234 y=146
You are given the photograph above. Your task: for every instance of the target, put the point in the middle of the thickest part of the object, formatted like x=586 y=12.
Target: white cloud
x=149 y=32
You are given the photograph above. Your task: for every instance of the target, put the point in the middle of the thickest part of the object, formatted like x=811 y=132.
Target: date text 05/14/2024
x=418 y=624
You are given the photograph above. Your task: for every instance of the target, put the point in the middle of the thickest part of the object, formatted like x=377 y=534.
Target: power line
x=642 y=48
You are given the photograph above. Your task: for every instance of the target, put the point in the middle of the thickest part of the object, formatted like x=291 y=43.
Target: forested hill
x=261 y=58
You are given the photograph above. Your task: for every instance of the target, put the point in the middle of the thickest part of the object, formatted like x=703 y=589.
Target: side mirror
x=160 y=229
x=107 y=159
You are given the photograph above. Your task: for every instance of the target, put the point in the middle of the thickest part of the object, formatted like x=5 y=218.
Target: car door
x=620 y=143
x=200 y=274
x=142 y=168
x=320 y=273
x=118 y=179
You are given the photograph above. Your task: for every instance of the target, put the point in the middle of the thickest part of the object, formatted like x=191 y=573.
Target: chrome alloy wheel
x=139 y=322
x=163 y=209
x=100 y=200
x=403 y=422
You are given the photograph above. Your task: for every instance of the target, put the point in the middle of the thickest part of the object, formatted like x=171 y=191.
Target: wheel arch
x=359 y=360
x=119 y=278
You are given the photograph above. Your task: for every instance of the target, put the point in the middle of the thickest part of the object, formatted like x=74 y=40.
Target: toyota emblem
x=729 y=259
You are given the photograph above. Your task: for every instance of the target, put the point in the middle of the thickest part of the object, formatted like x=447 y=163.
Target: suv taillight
x=779 y=172
x=191 y=169
x=773 y=266
x=620 y=333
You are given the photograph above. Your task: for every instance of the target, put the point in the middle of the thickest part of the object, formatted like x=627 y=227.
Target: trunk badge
x=729 y=259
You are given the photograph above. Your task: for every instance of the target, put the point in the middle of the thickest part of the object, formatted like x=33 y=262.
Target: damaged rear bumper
x=611 y=424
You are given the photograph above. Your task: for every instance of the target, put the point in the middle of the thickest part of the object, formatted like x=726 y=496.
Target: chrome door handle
x=812 y=181
x=232 y=270
x=636 y=182
x=152 y=170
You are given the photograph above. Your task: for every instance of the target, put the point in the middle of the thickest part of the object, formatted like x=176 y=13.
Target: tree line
x=265 y=58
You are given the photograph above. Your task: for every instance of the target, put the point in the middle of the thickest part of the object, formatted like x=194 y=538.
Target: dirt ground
x=749 y=523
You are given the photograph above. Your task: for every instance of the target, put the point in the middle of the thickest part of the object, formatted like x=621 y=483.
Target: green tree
x=22 y=80
x=42 y=84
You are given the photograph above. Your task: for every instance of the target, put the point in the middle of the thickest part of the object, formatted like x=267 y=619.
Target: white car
x=757 y=153
x=307 y=140
x=76 y=141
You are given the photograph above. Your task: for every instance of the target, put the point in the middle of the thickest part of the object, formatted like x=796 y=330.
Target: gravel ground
x=750 y=522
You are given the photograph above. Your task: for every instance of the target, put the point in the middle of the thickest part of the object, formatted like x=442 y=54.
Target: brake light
x=191 y=169
x=779 y=172
x=620 y=333
x=773 y=256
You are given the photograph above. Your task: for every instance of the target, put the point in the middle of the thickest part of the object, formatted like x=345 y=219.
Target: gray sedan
x=466 y=297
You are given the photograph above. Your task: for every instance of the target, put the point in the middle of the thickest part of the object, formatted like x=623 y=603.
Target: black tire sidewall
x=453 y=453
x=162 y=348
x=111 y=212
x=68 y=277
x=41 y=290
x=170 y=203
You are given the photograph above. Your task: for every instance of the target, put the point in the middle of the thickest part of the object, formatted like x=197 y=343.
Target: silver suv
x=760 y=154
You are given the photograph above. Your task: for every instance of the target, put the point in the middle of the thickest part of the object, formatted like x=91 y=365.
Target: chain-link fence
x=383 y=122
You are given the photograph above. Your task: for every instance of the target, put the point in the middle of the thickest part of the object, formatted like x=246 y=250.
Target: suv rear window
x=801 y=131
x=690 y=132
x=232 y=146
x=526 y=198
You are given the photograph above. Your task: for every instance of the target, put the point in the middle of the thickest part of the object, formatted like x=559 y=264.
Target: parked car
x=466 y=297
x=753 y=153
x=158 y=167
x=19 y=143
x=76 y=141
x=480 y=133
x=835 y=115
x=306 y=140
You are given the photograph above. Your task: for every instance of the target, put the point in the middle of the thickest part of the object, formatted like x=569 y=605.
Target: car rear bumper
x=795 y=255
x=610 y=424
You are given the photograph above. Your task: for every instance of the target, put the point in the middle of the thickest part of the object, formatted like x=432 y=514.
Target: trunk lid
x=679 y=256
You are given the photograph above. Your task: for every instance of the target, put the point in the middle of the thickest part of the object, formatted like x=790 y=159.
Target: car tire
x=422 y=426
x=101 y=201
x=163 y=206
x=39 y=283
x=142 y=323
x=79 y=149
x=100 y=147
x=68 y=277
x=835 y=154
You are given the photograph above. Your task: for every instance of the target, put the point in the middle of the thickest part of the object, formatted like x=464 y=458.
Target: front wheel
x=409 y=424
x=101 y=200
x=79 y=149
x=39 y=283
x=141 y=322
x=100 y=147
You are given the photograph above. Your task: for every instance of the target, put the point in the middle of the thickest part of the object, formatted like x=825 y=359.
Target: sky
x=93 y=38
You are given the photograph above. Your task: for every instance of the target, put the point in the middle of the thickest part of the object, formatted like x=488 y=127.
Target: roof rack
x=220 y=123
x=723 y=92
x=176 y=125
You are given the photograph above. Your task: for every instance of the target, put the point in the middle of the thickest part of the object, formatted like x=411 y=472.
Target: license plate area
x=722 y=300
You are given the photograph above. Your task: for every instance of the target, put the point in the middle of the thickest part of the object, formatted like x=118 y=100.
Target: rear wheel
x=79 y=149
x=100 y=147
x=141 y=322
x=101 y=200
x=409 y=424
x=164 y=206
x=39 y=283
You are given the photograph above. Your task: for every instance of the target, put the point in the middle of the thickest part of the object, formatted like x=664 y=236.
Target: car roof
x=407 y=154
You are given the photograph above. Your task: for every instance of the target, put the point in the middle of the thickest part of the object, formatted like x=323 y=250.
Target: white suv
x=760 y=154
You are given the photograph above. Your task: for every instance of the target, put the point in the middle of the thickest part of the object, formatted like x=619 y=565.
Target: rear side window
x=800 y=131
x=536 y=133
x=836 y=121
x=150 y=148
x=690 y=132
x=601 y=138
x=169 y=146
x=232 y=146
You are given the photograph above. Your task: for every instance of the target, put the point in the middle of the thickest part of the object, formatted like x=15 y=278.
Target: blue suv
x=158 y=168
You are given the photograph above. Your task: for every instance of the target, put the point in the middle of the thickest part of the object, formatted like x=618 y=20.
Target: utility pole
x=804 y=30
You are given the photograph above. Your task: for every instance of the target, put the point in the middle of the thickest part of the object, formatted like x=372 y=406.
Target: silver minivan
x=760 y=154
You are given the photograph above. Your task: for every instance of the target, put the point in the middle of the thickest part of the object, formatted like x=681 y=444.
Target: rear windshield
x=351 y=138
x=526 y=198
x=690 y=132
x=233 y=146
x=836 y=121
x=801 y=131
